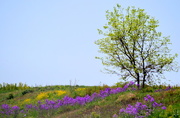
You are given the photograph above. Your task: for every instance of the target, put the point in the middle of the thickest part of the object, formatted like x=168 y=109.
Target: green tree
x=133 y=46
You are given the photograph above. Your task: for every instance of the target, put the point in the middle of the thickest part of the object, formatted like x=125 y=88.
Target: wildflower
x=15 y=108
x=27 y=100
x=115 y=116
x=50 y=104
x=146 y=99
x=60 y=92
x=121 y=110
x=133 y=89
x=147 y=113
x=168 y=88
x=39 y=102
x=140 y=117
x=131 y=110
x=149 y=98
x=163 y=107
x=80 y=89
x=155 y=104
x=131 y=83
x=144 y=106
x=140 y=110
x=152 y=99
x=5 y=106
x=42 y=96
x=30 y=106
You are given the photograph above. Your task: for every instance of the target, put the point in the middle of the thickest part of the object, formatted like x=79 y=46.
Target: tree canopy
x=133 y=47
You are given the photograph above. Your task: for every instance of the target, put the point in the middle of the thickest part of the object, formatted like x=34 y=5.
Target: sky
x=51 y=42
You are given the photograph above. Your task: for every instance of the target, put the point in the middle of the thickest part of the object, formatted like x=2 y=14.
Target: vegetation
x=122 y=100
x=133 y=47
x=6 y=86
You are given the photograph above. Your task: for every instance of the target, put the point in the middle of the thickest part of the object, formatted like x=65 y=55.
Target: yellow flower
x=42 y=96
x=80 y=89
x=60 y=92
x=27 y=100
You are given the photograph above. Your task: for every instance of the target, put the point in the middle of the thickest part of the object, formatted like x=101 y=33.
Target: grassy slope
x=107 y=107
x=104 y=108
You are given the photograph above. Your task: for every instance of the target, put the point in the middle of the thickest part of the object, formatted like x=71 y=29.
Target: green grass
x=101 y=108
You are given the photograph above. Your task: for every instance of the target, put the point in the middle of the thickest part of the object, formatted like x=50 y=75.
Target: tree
x=133 y=47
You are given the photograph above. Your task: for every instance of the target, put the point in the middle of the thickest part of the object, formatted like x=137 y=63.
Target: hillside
x=119 y=101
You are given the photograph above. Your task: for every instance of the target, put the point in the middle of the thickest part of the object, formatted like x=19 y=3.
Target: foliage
x=27 y=101
x=148 y=89
x=43 y=95
x=104 y=103
x=48 y=94
x=170 y=112
x=50 y=105
x=10 y=96
x=60 y=92
x=20 y=86
x=133 y=47
x=140 y=110
x=27 y=91
x=94 y=89
x=95 y=115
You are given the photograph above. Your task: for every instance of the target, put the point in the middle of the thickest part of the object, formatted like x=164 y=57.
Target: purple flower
x=168 y=88
x=145 y=98
x=133 y=89
x=15 y=108
x=160 y=104
x=138 y=104
x=155 y=104
x=140 y=117
x=115 y=116
x=126 y=86
x=121 y=110
x=147 y=113
x=149 y=98
x=140 y=110
x=131 y=83
x=5 y=106
x=131 y=110
x=50 y=104
x=29 y=106
x=163 y=107
x=152 y=99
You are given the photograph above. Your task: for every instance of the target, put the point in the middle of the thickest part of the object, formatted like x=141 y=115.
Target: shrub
x=27 y=91
x=10 y=96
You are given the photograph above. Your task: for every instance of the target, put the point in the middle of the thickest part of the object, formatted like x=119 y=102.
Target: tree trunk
x=143 y=85
x=138 y=81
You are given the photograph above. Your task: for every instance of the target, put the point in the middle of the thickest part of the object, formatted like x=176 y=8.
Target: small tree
x=133 y=47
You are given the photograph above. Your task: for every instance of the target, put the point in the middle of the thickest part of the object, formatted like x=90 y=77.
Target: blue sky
x=50 y=42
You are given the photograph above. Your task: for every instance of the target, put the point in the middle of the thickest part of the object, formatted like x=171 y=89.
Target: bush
x=27 y=91
x=10 y=96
